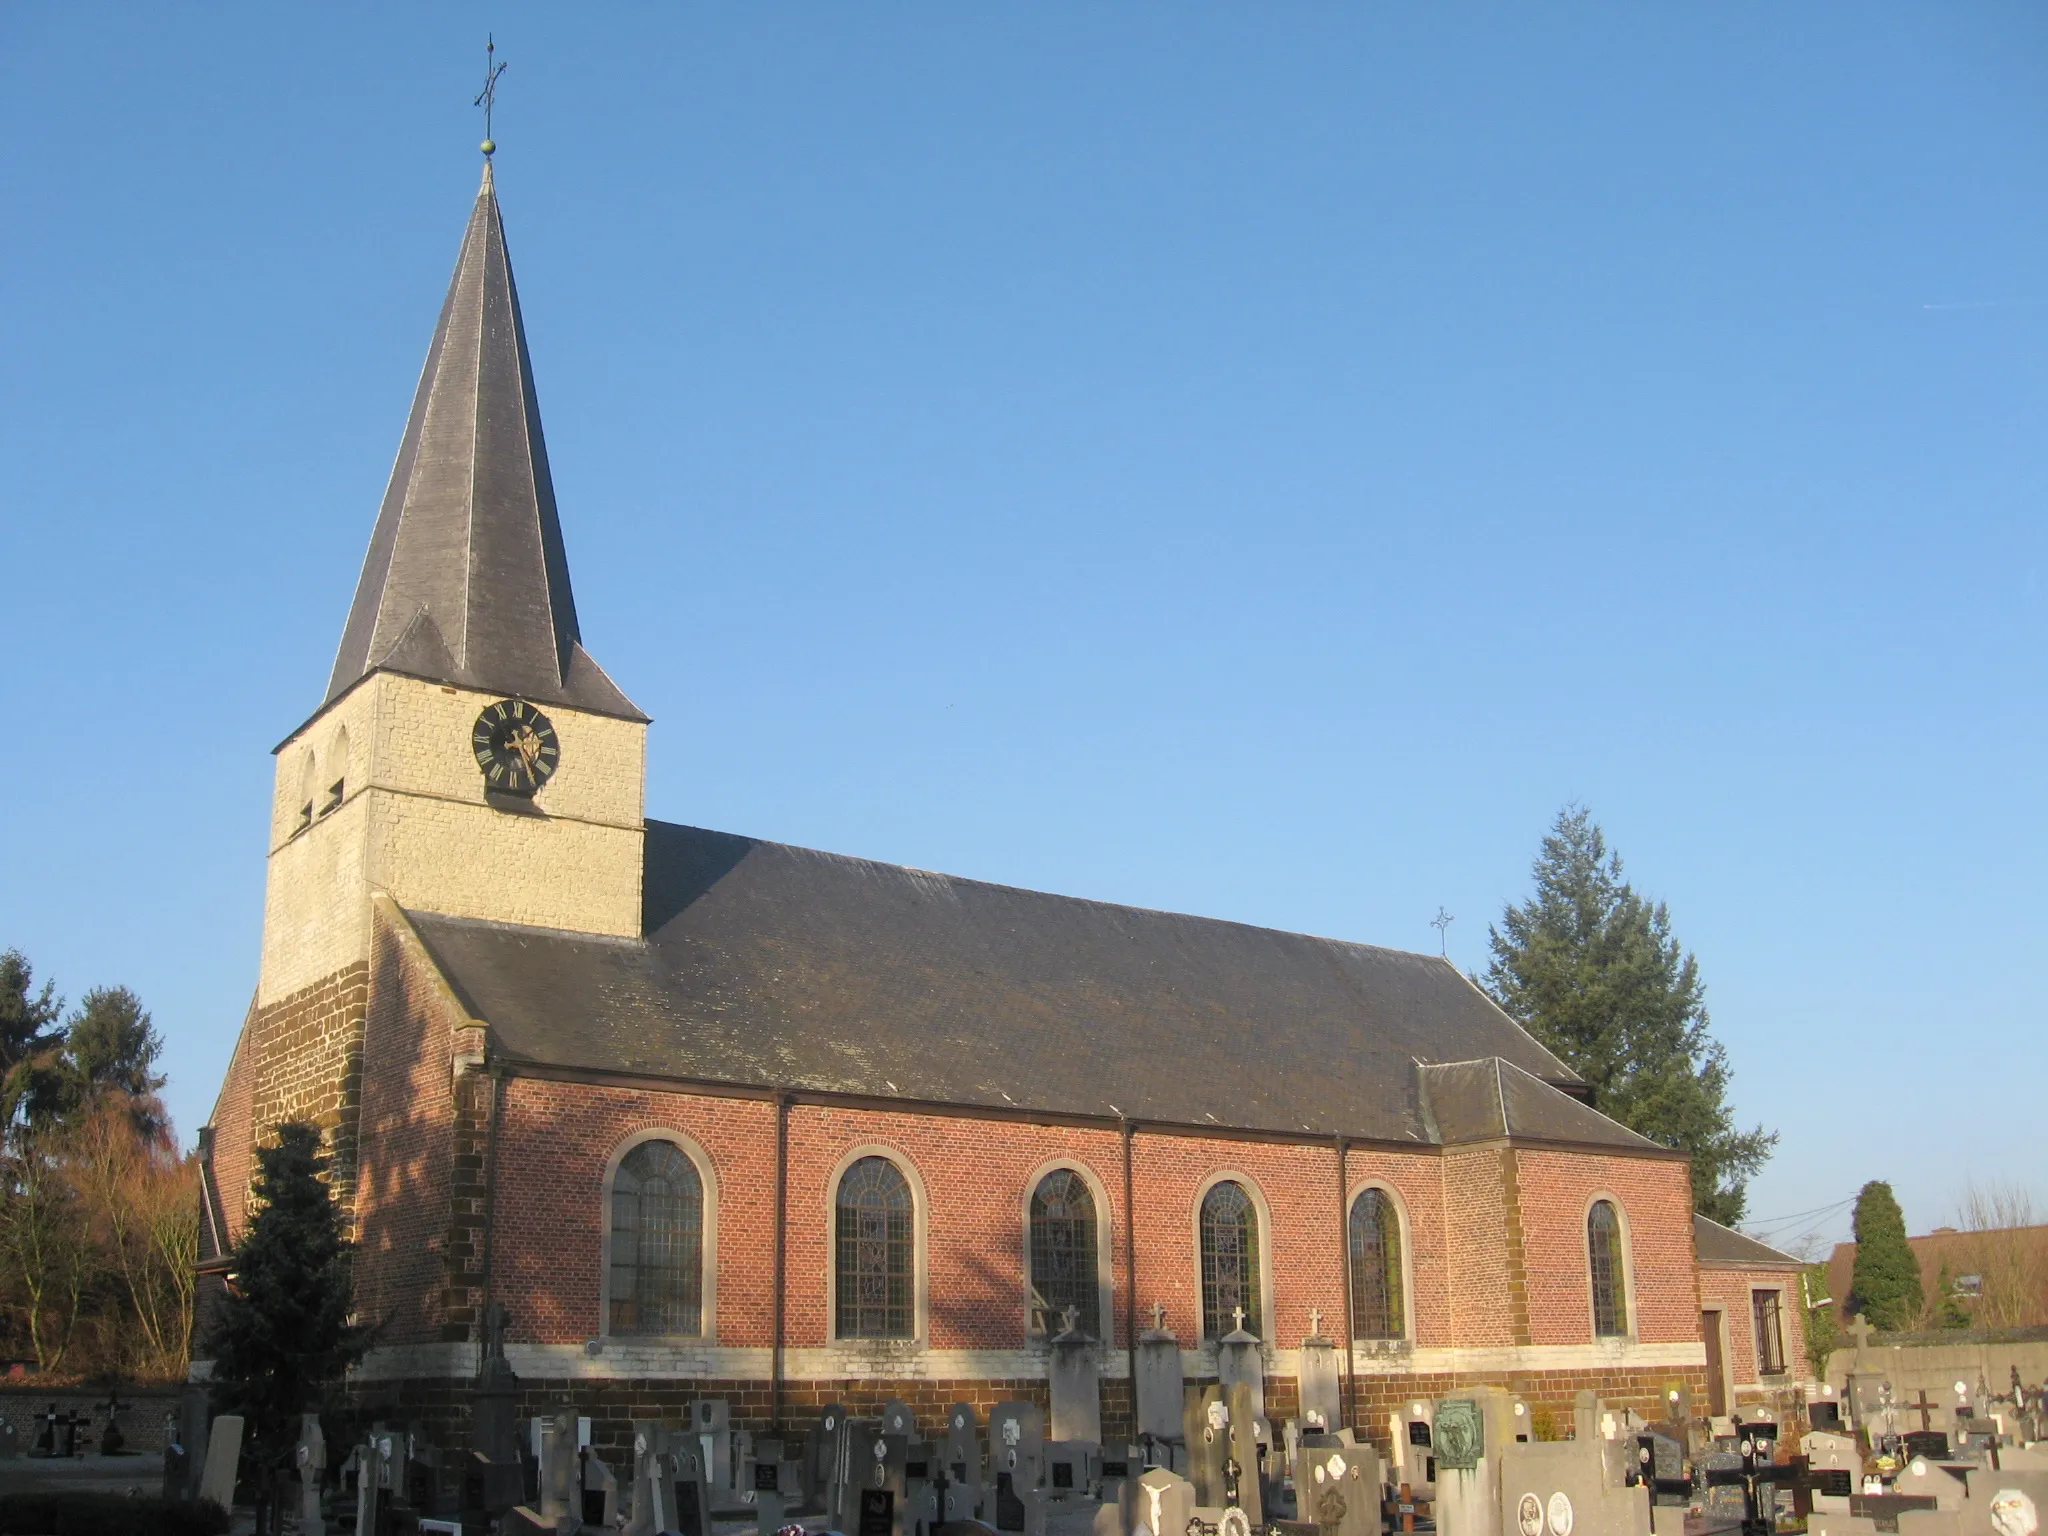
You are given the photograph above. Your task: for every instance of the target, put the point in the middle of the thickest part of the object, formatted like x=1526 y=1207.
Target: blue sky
x=1257 y=461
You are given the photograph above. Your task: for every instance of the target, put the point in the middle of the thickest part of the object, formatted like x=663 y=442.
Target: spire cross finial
x=487 y=98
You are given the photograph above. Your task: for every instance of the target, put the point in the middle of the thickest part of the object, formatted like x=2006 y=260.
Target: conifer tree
x=1590 y=969
x=1885 y=1284
x=283 y=1335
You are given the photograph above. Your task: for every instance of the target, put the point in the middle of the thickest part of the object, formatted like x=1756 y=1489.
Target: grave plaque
x=1460 y=1435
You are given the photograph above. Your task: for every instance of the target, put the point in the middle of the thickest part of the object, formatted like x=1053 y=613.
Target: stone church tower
x=464 y=603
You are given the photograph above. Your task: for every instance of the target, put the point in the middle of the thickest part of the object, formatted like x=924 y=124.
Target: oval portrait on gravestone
x=1560 y=1515
x=1529 y=1515
x=1235 y=1522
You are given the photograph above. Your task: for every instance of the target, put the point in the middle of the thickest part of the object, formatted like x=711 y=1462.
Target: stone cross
x=1860 y=1330
x=1072 y=1315
x=1238 y=1313
x=1315 y=1320
x=497 y=1320
x=1158 y=1317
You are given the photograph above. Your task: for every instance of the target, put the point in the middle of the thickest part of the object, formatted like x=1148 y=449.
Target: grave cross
x=1315 y=1320
x=1238 y=1313
x=1925 y=1408
x=1861 y=1331
x=1158 y=1317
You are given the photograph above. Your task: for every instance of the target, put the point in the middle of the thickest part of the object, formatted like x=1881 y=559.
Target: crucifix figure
x=487 y=98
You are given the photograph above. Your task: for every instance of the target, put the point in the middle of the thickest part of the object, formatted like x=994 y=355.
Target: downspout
x=491 y=1197
x=781 y=1247
x=1130 y=1279
x=1350 y=1323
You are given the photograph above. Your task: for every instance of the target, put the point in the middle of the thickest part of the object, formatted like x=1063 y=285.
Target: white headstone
x=223 y=1458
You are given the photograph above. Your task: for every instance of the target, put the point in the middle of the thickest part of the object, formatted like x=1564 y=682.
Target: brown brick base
x=441 y=1406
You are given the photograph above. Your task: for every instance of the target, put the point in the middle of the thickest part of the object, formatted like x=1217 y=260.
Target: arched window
x=876 y=1255
x=657 y=1281
x=1230 y=1259
x=1376 y=1311
x=1063 y=1253
x=1603 y=1250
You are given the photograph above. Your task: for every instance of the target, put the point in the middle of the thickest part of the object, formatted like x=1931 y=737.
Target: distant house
x=1999 y=1277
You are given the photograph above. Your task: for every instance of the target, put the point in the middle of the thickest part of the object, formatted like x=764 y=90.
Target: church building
x=717 y=1116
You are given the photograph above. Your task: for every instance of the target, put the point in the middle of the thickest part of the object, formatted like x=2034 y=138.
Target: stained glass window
x=1230 y=1259
x=1603 y=1246
x=657 y=1280
x=1063 y=1253
x=876 y=1258
x=1376 y=1311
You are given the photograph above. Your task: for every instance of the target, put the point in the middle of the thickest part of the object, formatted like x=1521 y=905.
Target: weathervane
x=1442 y=924
x=488 y=96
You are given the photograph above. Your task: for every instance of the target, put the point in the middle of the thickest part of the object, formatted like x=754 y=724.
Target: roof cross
x=487 y=98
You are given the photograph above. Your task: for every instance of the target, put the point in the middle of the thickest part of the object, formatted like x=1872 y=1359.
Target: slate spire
x=466 y=581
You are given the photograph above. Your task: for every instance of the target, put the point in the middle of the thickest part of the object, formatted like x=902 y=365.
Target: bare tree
x=2005 y=1249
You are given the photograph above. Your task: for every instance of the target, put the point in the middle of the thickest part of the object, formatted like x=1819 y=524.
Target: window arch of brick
x=659 y=1250
x=1377 y=1232
x=877 y=1266
x=1607 y=1268
x=1233 y=1255
x=1068 y=1249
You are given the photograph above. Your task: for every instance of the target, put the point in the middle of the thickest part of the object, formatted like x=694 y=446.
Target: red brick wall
x=1475 y=1216
x=1730 y=1290
x=1655 y=1198
x=234 y=1131
x=406 y=1130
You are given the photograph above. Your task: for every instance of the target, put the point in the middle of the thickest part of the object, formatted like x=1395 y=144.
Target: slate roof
x=772 y=966
x=1490 y=1098
x=1716 y=1244
x=466 y=580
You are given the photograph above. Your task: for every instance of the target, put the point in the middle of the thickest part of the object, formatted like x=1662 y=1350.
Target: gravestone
x=1469 y=1433
x=1834 y=1470
x=774 y=1483
x=883 y=1456
x=1160 y=1391
x=1412 y=1432
x=668 y=1484
x=1076 y=1382
x=1240 y=1358
x=493 y=1477
x=310 y=1459
x=1320 y=1383
x=963 y=1464
x=1205 y=1431
x=223 y=1459
x=1070 y=1468
x=1562 y=1488
x=1337 y=1489
x=1243 y=1477
x=1016 y=1448
x=832 y=1472
x=1164 y=1502
x=598 y=1488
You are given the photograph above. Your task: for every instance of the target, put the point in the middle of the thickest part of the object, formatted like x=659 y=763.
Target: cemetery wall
x=407 y=1277
x=1654 y=1197
x=1937 y=1362
x=142 y=1419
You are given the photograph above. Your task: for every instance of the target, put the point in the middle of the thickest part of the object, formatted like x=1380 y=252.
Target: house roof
x=1716 y=1244
x=771 y=966
x=466 y=580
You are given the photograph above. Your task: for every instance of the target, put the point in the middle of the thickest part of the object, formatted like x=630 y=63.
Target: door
x=1717 y=1380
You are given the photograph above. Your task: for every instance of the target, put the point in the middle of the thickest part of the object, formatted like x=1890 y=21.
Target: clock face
x=515 y=746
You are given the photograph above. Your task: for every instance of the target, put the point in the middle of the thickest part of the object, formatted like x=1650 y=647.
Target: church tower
x=469 y=758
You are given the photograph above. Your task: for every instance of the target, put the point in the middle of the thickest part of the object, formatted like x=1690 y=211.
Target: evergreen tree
x=107 y=1045
x=1590 y=969
x=1885 y=1284
x=283 y=1335
x=26 y=1017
